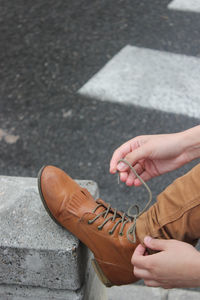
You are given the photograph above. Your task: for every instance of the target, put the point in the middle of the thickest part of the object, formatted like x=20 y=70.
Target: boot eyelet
x=99 y=228
x=89 y=222
x=110 y=232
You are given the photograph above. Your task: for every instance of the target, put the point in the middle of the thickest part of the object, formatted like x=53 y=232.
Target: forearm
x=159 y=154
x=191 y=142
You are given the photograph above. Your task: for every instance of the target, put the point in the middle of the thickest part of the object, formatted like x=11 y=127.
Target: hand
x=150 y=155
x=176 y=265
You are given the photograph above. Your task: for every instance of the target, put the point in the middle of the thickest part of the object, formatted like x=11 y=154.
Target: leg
x=176 y=215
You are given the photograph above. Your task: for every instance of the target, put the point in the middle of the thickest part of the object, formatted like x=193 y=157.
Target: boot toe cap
x=55 y=186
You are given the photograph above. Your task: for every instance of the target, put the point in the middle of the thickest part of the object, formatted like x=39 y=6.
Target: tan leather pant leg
x=176 y=214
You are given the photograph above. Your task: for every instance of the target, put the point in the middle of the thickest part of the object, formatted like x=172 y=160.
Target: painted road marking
x=149 y=78
x=185 y=5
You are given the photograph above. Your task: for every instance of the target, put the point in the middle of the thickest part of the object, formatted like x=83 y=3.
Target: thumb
x=155 y=244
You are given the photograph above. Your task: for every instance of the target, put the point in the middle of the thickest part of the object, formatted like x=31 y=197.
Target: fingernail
x=147 y=239
x=121 y=166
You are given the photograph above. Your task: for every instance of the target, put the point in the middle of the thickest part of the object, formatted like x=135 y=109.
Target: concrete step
x=140 y=292
x=39 y=259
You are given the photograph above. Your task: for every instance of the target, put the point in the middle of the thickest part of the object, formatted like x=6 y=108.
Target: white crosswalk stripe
x=185 y=5
x=151 y=79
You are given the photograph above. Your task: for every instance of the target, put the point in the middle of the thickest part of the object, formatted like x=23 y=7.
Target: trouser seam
x=141 y=228
x=175 y=218
x=180 y=212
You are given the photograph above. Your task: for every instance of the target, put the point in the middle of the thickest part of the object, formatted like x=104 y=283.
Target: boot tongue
x=81 y=202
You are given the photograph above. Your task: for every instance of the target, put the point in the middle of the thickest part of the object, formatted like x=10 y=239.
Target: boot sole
x=100 y=274
x=95 y=264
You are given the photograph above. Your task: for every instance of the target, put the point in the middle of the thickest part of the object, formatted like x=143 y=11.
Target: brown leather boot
x=108 y=233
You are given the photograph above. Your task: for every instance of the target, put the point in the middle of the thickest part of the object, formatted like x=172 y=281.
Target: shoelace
x=126 y=217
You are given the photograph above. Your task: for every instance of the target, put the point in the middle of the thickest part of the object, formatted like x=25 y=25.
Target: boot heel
x=100 y=274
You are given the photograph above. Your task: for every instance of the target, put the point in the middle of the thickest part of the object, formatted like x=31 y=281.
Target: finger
x=117 y=155
x=141 y=273
x=167 y=286
x=145 y=176
x=152 y=283
x=134 y=156
x=156 y=244
x=123 y=176
x=131 y=177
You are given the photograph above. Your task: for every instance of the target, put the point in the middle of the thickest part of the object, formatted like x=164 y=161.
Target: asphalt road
x=49 y=49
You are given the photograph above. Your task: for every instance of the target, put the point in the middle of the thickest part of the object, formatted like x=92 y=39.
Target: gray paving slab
x=180 y=294
x=92 y=289
x=17 y=292
x=139 y=292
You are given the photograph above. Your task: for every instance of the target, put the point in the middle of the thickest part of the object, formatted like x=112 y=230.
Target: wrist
x=191 y=143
